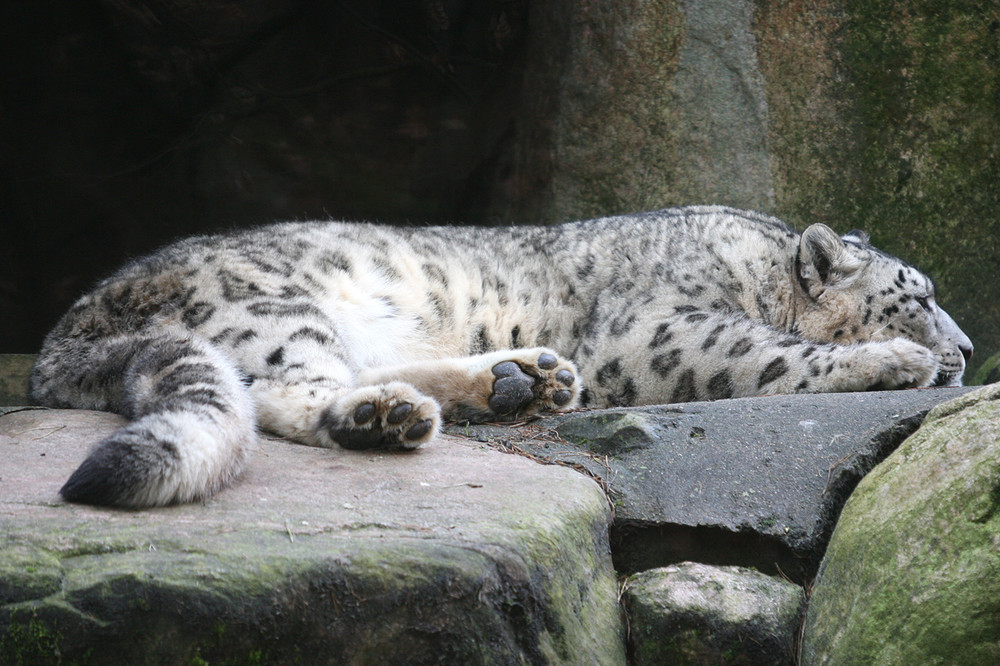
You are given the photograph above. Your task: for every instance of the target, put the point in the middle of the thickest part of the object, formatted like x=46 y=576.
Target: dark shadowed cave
x=126 y=124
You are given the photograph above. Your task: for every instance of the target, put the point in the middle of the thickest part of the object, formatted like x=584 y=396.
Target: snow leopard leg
x=317 y=412
x=704 y=355
x=191 y=416
x=497 y=386
x=305 y=388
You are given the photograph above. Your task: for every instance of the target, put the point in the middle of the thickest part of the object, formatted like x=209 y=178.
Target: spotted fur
x=365 y=336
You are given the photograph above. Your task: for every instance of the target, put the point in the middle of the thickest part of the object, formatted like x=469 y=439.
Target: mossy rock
x=693 y=613
x=989 y=371
x=14 y=372
x=449 y=554
x=912 y=573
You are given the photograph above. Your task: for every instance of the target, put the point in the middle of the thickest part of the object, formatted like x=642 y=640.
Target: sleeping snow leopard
x=365 y=336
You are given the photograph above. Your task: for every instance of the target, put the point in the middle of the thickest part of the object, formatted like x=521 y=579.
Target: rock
x=452 y=553
x=912 y=574
x=989 y=371
x=754 y=481
x=676 y=82
x=697 y=614
x=14 y=372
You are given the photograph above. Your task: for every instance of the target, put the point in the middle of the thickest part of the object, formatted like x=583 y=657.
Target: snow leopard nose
x=966 y=351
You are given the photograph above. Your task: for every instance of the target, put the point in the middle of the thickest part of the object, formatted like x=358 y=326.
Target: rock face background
x=911 y=574
x=124 y=124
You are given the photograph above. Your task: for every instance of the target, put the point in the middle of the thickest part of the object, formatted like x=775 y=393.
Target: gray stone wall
x=880 y=116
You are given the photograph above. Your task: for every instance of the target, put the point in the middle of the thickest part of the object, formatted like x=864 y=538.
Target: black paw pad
x=399 y=413
x=562 y=397
x=512 y=389
x=364 y=413
x=357 y=440
x=508 y=369
x=565 y=377
x=547 y=361
x=418 y=430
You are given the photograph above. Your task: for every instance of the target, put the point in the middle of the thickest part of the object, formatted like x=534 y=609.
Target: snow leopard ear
x=825 y=261
x=858 y=236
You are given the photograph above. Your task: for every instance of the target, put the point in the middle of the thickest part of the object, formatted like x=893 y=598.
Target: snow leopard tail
x=192 y=417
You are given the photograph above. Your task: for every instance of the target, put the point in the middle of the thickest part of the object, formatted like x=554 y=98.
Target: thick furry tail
x=191 y=417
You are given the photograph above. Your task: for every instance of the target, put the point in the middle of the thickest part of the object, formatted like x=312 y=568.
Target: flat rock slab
x=451 y=554
x=754 y=481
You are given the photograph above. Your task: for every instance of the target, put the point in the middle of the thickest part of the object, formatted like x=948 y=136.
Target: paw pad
x=387 y=416
x=419 y=430
x=524 y=387
x=547 y=361
x=562 y=398
x=364 y=413
x=399 y=413
x=512 y=388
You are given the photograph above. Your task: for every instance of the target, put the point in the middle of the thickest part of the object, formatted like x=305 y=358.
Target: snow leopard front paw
x=531 y=381
x=393 y=415
x=901 y=364
x=878 y=366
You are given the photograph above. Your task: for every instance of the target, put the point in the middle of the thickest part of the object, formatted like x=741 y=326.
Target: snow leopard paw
x=902 y=364
x=531 y=381
x=393 y=415
x=883 y=365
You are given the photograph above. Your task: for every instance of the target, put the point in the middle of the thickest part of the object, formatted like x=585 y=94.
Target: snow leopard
x=365 y=336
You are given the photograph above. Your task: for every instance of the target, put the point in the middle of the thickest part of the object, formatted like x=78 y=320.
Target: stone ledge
x=451 y=552
x=754 y=482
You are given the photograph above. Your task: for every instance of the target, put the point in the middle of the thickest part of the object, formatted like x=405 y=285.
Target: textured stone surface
x=912 y=574
x=698 y=614
x=676 y=82
x=14 y=371
x=752 y=481
x=453 y=553
x=989 y=371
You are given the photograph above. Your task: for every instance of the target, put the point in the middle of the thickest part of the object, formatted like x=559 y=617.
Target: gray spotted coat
x=366 y=336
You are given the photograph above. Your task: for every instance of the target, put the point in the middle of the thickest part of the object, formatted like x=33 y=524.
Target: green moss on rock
x=912 y=574
x=448 y=555
x=698 y=614
x=884 y=118
x=14 y=372
x=989 y=371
